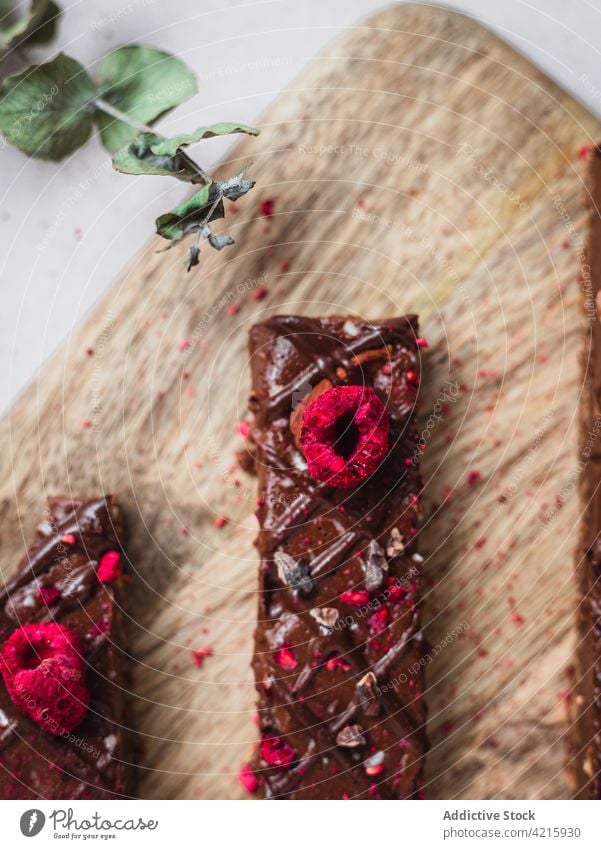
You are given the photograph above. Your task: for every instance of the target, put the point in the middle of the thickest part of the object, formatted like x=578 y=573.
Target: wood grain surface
x=418 y=165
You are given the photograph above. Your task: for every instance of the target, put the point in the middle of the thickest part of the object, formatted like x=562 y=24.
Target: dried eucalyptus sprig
x=50 y=110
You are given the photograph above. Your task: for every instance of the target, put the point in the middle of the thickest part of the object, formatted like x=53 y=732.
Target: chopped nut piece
x=367 y=693
x=375 y=566
x=374 y=760
x=293 y=573
x=350 y=736
x=326 y=616
x=395 y=544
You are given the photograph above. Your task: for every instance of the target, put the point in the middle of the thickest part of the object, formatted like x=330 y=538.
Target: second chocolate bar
x=339 y=654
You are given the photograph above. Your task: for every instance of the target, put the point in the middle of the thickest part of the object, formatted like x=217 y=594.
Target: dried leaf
x=220 y=242
x=145 y=84
x=46 y=111
x=137 y=157
x=169 y=147
x=186 y=217
x=36 y=26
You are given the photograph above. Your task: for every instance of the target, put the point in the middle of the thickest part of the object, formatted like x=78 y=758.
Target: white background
x=67 y=230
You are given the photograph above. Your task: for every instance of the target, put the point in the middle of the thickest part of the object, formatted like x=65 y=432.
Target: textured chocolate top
x=587 y=750
x=92 y=761
x=338 y=642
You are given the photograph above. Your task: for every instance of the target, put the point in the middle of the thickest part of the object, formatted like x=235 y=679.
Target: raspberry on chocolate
x=43 y=669
x=110 y=567
x=276 y=752
x=345 y=435
x=286 y=658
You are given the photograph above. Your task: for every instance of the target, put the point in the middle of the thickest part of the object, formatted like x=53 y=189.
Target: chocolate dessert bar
x=586 y=756
x=339 y=653
x=63 y=726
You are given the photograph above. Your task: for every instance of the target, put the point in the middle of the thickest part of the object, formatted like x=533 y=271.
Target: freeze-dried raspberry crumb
x=276 y=752
x=517 y=618
x=585 y=150
x=43 y=670
x=220 y=521
x=267 y=206
x=49 y=594
x=199 y=655
x=247 y=778
x=355 y=597
x=68 y=539
x=86 y=423
x=243 y=429
x=374 y=770
x=345 y=435
x=378 y=621
x=233 y=309
x=260 y=293
x=337 y=662
x=285 y=658
x=422 y=343
x=110 y=567
x=474 y=476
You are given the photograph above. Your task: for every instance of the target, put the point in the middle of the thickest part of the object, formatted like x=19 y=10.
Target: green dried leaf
x=47 y=110
x=186 y=217
x=137 y=158
x=169 y=147
x=142 y=82
x=37 y=26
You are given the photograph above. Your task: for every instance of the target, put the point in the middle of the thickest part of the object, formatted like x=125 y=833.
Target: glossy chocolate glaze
x=313 y=706
x=586 y=754
x=93 y=761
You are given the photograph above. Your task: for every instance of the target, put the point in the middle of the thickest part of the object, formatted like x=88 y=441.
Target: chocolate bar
x=586 y=754
x=339 y=654
x=63 y=717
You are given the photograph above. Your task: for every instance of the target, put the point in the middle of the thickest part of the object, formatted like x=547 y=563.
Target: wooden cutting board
x=421 y=165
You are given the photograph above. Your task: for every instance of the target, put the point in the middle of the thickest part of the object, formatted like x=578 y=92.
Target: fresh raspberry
x=345 y=435
x=43 y=670
x=276 y=752
x=110 y=567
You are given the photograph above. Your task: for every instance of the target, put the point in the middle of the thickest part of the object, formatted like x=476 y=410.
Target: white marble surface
x=68 y=229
